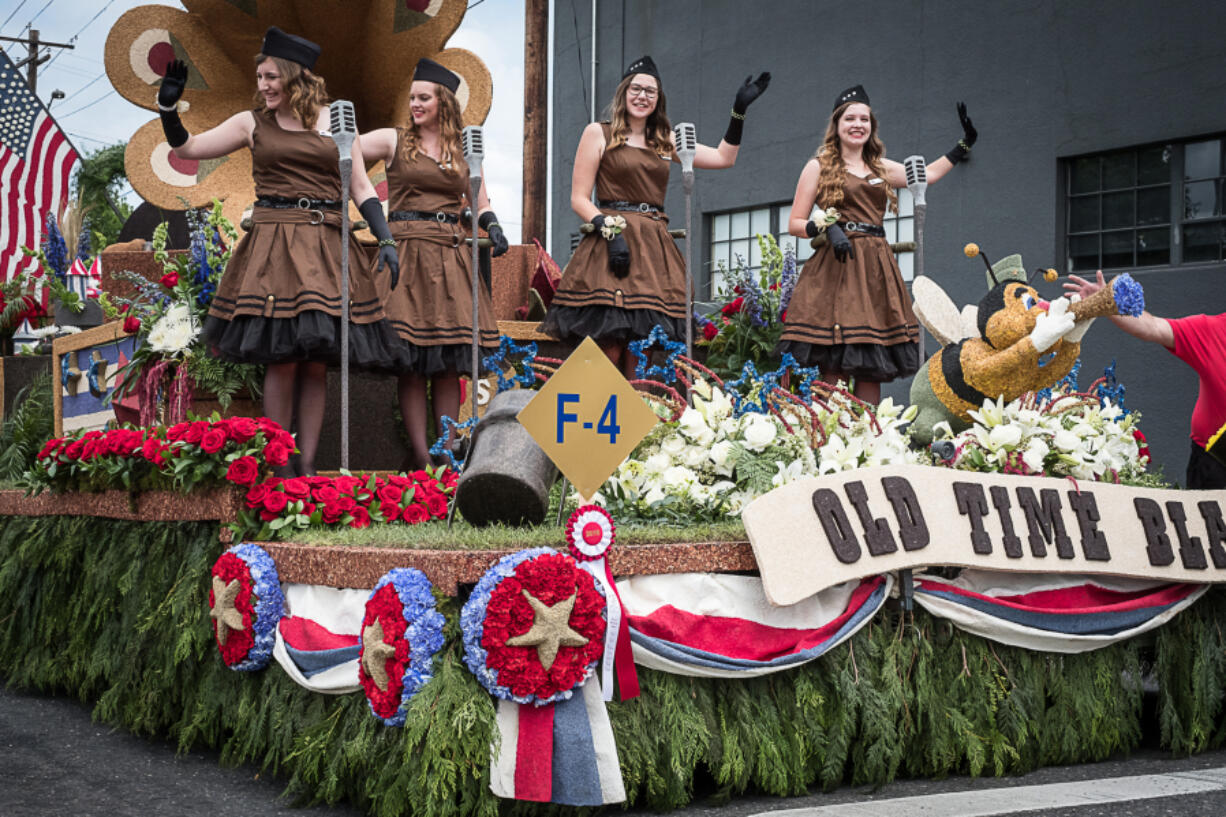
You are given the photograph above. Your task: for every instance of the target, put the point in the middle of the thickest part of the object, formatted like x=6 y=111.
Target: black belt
x=629 y=206
x=303 y=203
x=423 y=215
x=861 y=227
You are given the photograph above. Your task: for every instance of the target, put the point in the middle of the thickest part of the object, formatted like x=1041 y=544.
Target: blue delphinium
x=787 y=279
x=1109 y=388
x=55 y=249
x=85 y=243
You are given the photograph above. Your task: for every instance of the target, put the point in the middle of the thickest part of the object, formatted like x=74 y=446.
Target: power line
x=83 y=87
x=11 y=16
x=73 y=38
x=40 y=11
x=89 y=105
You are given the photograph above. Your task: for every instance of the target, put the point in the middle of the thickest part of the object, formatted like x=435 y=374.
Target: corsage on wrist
x=612 y=227
x=387 y=242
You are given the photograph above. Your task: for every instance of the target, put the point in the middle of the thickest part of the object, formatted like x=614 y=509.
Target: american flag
x=36 y=161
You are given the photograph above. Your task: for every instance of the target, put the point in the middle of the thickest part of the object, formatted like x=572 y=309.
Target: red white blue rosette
x=590 y=533
x=245 y=606
x=499 y=610
x=401 y=633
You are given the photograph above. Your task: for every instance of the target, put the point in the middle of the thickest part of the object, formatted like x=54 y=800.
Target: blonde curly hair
x=830 y=156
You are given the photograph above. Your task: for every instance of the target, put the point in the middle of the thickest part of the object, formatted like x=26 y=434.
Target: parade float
x=751 y=582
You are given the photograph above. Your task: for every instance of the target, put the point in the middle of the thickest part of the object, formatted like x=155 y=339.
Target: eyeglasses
x=639 y=90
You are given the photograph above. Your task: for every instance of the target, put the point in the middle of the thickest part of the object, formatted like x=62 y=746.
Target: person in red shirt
x=1199 y=341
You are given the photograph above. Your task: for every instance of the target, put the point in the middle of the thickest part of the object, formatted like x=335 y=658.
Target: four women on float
x=850 y=314
x=627 y=276
x=431 y=310
x=279 y=301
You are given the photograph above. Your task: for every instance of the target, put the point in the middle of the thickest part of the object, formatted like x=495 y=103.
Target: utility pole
x=536 y=117
x=33 y=58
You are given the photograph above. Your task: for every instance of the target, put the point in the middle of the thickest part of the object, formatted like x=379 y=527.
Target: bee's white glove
x=1052 y=325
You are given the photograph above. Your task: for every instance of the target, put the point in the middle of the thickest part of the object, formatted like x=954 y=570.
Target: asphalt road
x=55 y=761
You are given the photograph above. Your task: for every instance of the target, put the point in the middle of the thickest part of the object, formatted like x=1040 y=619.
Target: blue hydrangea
x=1129 y=297
x=269 y=605
x=424 y=633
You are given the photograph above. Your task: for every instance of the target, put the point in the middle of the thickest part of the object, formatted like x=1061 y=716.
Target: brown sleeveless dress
x=854 y=317
x=279 y=299
x=432 y=308
x=592 y=301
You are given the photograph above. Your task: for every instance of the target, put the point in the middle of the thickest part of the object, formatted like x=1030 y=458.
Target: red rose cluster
x=183 y=456
x=356 y=501
x=551 y=579
x=238 y=642
x=385 y=605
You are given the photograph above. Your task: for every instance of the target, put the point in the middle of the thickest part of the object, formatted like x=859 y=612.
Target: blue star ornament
x=509 y=352
x=451 y=431
x=658 y=337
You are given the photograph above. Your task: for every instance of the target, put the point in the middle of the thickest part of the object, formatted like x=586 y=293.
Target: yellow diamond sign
x=587 y=418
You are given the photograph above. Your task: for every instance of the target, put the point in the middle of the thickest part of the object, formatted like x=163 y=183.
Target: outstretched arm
x=938 y=169
x=221 y=140
x=379 y=145
x=723 y=156
x=1145 y=326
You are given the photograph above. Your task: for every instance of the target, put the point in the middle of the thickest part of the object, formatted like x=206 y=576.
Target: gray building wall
x=1042 y=80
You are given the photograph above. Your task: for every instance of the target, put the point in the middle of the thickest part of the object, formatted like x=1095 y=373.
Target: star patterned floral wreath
x=245 y=606
x=534 y=627
x=401 y=632
x=590 y=533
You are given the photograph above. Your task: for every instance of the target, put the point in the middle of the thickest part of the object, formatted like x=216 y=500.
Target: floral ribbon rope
x=590 y=534
x=533 y=630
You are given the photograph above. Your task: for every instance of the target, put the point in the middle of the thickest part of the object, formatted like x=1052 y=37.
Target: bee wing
x=936 y=311
x=970 y=321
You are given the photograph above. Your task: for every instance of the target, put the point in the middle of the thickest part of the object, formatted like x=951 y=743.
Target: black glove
x=173 y=84
x=839 y=243
x=372 y=211
x=745 y=95
x=619 y=250
x=489 y=222
x=963 y=149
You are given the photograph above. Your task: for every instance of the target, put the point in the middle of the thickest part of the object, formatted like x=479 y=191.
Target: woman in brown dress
x=625 y=278
x=850 y=314
x=432 y=309
x=279 y=301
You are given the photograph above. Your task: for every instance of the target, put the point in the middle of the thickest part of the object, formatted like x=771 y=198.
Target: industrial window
x=1156 y=205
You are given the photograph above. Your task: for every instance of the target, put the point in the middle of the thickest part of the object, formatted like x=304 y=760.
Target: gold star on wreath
x=223 y=611
x=375 y=652
x=550 y=629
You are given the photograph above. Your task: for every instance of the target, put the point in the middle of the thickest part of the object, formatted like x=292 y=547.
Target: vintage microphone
x=344 y=131
x=474 y=153
x=686 y=142
x=916 y=171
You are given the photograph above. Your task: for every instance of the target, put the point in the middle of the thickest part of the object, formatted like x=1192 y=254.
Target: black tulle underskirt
x=608 y=323
x=865 y=361
x=432 y=361
x=308 y=336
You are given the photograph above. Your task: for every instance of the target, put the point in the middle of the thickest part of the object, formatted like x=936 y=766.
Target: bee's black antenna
x=988 y=264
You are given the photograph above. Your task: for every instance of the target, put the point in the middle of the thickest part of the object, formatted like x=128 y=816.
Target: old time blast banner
x=821 y=531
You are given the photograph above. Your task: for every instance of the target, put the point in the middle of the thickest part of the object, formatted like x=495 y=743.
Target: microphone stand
x=344 y=142
x=687 y=184
x=474 y=187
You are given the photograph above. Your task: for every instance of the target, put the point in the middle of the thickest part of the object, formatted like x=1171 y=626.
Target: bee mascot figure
x=992 y=352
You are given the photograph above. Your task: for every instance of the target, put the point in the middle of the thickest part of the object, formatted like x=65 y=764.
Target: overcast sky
x=94 y=115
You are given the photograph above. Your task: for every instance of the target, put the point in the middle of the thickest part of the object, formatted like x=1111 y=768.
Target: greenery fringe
x=115 y=614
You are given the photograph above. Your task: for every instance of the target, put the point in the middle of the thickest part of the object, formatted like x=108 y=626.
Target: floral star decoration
x=223 y=611
x=375 y=652
x=452 y=431
x=550 y=629
x=658 y=337
x=509 y=353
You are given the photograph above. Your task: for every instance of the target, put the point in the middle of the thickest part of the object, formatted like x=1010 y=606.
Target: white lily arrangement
x=709 y=463
x=1073 y=435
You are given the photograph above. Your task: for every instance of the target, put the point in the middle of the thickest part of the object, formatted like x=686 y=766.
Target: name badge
x=875 y=180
